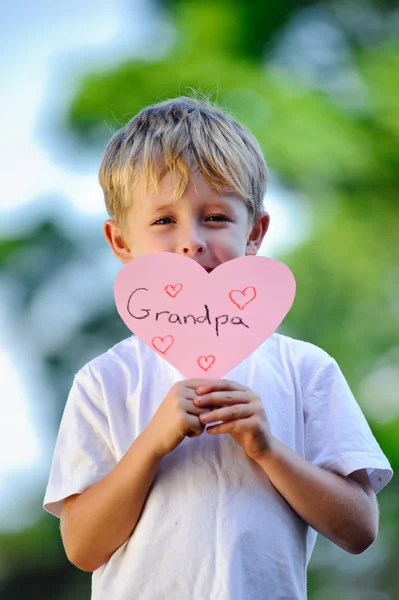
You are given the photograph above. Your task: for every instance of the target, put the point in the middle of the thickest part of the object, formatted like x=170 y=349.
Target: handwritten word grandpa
x=184 y=319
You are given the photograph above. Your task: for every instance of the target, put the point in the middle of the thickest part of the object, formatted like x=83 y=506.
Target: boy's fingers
x=194 y=383
x=227 y=414
x=219 y=384
x=193 y=409
x=224 y=397
x=196 y=427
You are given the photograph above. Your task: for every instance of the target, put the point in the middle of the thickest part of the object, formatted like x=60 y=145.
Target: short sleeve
x=83 y=452
x=337 y=434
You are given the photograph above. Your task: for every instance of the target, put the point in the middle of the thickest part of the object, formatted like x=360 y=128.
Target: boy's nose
x=191 y=244
x=192 y=249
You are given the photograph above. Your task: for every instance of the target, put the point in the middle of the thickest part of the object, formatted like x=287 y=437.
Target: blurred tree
x=32 y=561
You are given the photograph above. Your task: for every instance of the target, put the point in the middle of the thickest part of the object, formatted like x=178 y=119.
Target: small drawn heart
x=239 y=301
x=162 y=346
x=206 y=362
x=173 y=290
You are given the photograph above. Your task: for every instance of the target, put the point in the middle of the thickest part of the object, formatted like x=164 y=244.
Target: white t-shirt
x=213 y=526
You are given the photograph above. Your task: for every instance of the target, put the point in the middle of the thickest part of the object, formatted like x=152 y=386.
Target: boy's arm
x=97 y=522
x=343 y=509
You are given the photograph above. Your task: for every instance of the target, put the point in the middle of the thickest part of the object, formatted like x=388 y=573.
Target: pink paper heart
x=204 y=324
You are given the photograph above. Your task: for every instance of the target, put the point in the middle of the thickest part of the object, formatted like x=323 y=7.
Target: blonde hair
x=185 y=136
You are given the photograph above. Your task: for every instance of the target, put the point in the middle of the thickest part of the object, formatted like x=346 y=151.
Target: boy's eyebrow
x=163 y=207
x=222 y=204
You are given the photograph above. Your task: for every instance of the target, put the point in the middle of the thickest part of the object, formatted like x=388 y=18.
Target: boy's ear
x=113 y=235
x=257 y=233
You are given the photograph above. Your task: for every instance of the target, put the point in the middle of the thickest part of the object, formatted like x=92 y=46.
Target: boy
x=151 y=502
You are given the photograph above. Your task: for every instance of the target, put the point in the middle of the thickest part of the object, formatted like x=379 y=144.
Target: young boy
x=153 y=503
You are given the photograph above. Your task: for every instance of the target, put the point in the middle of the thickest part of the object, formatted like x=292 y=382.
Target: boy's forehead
x=197 y=190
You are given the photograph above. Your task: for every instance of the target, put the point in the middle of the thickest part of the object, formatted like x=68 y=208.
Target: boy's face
x=204 y=225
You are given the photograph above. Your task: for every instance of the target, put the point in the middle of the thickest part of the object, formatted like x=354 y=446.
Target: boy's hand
x=241 y=410
x=177 y=417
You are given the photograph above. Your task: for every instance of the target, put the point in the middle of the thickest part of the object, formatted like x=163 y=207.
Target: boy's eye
x=213 y=218
x=217 y=217
x=159 y=222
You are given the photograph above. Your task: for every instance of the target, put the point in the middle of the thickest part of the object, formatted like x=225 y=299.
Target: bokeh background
x=316 y=82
